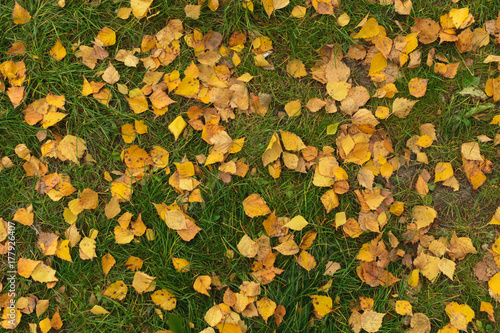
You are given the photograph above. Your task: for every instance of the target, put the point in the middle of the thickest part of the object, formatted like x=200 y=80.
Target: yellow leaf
x=128 y=133
x=423 y=216
x=397 y=208
x=297 y=223
x=138 y=103
x=494 y=284
x=296 y=68
x=71 y=148
x=338 y=90
x=447 y=267
x=24 y=215
x=273 y=150
x=382 y=112
x=227 y=328
x=470 y=151
x=254 y=205
x=401 y=107
x=175 y=219
x=140 y=7
x=340 y=219
x=322 y=305
x=299 y=11
x=330 y=200
x=63 y=251
x=213 y=316
x=332 y=129
x=87 y=249
x=117 y=290
x=88 y=200
x=45 y=325
x=306 y=260
x=106 y=36
x=268 y=7
x=51 y=118
x=403 y=8
x=245 y=77
x=237 y=145
x=292 y=108
x=418 y=87
x=110 y=75
x=99 y=310
x=343 y=20
x=202 y=284
x=44 y=273
x=107 y=262
x=488 y=308
x=371 y=321
x=112 y=208
x=266 y=307
x=292 y=141
x=160 y=99
x=287 y=248
x=315 y=104
x=460 y=315
x=181 y=265
x=87 y=88
x=404 y=308
x=143 y=282
x=124 y=13
x=428 y=265
x=369 y=29
x=58 y=52
x=378 y=64
x=164 y=299
x=443 y=171
x=424 y=141
x=213 y=5
x=366 y=303
x=331 y=268
x=56 y=321
x=447 y=70
x=248 y=247
x=134 y=263
x=458 y=16
x=159 y=156
x=192 y=11
x=188 y=87
x=177 y=126
x=20 y=15
x=495 y=220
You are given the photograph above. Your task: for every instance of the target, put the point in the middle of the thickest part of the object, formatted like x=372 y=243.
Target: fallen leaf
x=20 y=15
x=202 y=284
x=254 y=205
x=58 y=52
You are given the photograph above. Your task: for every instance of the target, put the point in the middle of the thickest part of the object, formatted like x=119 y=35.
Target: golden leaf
x=58 y=52
x=404 y=308
x=266 y=307
x=143 y=282
x=20 y=15
x=202 y=284
x=107 y=262
x=117 y=290
x=254 y=205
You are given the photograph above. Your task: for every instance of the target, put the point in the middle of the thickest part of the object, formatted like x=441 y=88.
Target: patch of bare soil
x=452 y=205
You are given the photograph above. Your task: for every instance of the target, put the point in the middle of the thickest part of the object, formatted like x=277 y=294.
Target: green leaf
x=175 y=323
x=332 y=129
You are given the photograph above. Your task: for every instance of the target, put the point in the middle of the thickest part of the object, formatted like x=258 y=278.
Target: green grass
x=221 y=216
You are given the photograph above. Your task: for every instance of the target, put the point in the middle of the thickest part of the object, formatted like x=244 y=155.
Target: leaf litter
x=212 y=81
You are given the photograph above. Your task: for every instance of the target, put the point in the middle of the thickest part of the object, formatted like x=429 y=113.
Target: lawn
x=249 y=166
